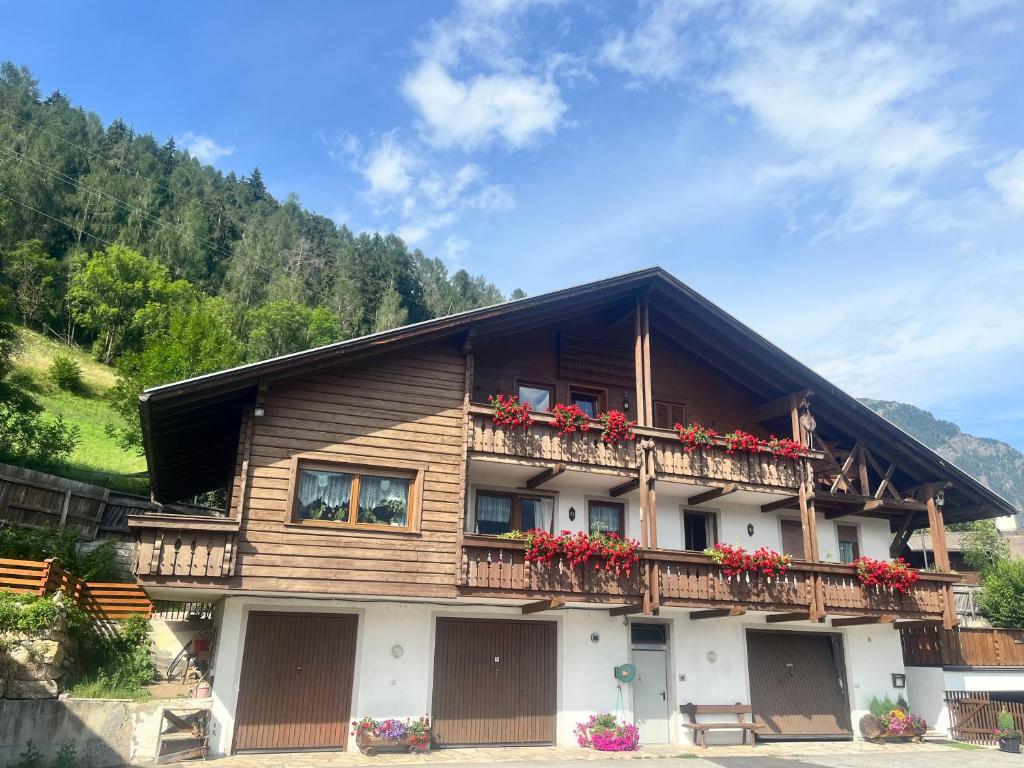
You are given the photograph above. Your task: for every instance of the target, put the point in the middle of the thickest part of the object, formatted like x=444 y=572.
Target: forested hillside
x=163 y=267
x=994 y=463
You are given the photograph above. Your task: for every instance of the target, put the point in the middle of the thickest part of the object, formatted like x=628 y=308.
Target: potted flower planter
x=1010 y=743
x=876 y=729
x=391 y=735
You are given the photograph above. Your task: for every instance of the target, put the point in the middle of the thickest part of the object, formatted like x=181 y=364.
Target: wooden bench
x=701 y=729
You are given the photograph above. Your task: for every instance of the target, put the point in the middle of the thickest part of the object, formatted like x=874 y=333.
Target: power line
x=54 y=218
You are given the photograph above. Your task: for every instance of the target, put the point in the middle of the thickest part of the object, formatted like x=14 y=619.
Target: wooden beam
x=856 y=499
x=791 y=502
x=919 y=624
x=779 y=406
x=885 y=618
x=544 y=605
x=777 y=618
x=717 y=613
x=625 y=610
x=867 y=506
x=902 y=537
x=714 y=493
x=542 y=477
x=623 y=488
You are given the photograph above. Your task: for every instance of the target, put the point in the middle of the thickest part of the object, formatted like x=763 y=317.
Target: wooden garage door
x=798 y=684
x=296 y=684
x=494 y=682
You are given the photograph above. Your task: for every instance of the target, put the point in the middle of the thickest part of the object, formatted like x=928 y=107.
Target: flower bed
x=734 y=560
x=895 y=575
x=613 y=551
x=373 y=736
x=606 y=734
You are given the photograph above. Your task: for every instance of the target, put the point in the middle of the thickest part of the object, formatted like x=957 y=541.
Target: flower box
x=373 y=736
x=908 y=727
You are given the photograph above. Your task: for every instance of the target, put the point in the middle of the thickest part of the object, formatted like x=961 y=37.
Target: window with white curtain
x=497 y=512
x=606 y=517
x=352 y=497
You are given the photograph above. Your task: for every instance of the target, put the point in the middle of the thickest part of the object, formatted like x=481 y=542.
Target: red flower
x=694 y=436
x=895 y=575
x=569 y=419
x=509 y=412
x=617 y=427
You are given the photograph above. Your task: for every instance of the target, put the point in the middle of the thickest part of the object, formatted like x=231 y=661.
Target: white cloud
x=655 y=49
x=841 y=95
x=1008 y=180
x=453 y=247
x=203 y=148
x=475 y=112
x=511 y=102
x=389 y=167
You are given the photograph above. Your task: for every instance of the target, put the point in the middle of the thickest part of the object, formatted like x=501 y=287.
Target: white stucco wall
x=707 y=660
x=926 y=692
x=733 y=520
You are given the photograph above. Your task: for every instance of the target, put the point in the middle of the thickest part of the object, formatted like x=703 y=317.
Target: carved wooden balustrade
x=496 y=567
x=184 y=546
x=542 y=443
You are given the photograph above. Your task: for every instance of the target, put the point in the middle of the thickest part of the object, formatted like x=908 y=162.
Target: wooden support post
x=790 y=502
x=641 y=407
x=544 y=476
x=648 y=393
x=243 y=476
x=885 y=618
x=64 y=509
x=652 y=496
x=625 y=610
x=643 y=498
x=805 y=521
x=543 y=605
x=862 y=470
x=624 y=488
x=777 y=618
x=794 y=417
x=902 y=537
x=717 y=613
x=714 y=493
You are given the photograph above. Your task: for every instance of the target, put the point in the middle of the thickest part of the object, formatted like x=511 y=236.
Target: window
x=667 y=415
x=498 y=513
x=699 y=530
x=327 y=494
x=540 y=397
x=792 y=538
x=606 y=517
x=588 y=400
x=849 y=543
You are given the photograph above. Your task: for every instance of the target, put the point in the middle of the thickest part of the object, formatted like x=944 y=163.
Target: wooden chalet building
x=360 y=569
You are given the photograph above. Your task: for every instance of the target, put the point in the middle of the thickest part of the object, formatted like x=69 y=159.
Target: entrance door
x=650 y=686
x=798 y=684
x=495 y=682
x=296 y=683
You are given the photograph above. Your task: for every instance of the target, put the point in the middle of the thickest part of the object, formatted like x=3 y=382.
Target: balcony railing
x=496 y=567
x=543 y=443
x=184 y=546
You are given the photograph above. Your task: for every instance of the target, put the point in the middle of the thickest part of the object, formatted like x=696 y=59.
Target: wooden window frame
x=856 y=541
x=551 y=389
x=708 y=515
x=669 y=405
x=799 y=522
x=600 y=394
x=610 y=502
x=515 y=513
x=405 y=470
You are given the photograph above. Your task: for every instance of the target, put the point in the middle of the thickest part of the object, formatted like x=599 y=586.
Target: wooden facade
x=410 y=406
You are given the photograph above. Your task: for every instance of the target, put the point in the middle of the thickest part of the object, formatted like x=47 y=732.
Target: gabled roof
x=191 y=428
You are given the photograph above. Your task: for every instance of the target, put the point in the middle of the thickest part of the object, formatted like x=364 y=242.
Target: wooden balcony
x=542 y=444
x=495 y=567
x=184 y=546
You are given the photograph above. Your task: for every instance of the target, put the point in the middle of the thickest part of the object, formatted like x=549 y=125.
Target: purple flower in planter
x=390 y=730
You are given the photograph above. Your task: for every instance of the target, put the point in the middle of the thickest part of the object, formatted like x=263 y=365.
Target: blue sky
x=847 y=178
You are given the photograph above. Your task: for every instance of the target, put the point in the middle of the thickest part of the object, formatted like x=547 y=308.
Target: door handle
x=298 y=669
x=663 y=696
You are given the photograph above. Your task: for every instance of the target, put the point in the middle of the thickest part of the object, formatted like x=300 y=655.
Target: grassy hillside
x=97 y=459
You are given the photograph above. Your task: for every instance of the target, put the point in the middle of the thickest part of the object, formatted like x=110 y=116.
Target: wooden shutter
x=793 y=538
x=667 y=415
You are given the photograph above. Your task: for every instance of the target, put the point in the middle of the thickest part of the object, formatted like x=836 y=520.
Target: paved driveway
x=856 y=754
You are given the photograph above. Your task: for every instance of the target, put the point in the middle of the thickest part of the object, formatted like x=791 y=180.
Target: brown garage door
x=296 y=684
x=494 y=682
x=798 y=684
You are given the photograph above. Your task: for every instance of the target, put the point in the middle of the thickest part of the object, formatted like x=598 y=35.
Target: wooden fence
x=37 y=499
x=972 y=715
x=103 y=601
x=962 y=647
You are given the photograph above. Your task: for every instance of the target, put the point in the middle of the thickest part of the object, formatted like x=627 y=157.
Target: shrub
x=1002 y=594
x=65 y=373
x=98 y=564
x=32 y=614
x=23 y=379
x=605 y=734
x=117 y=665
